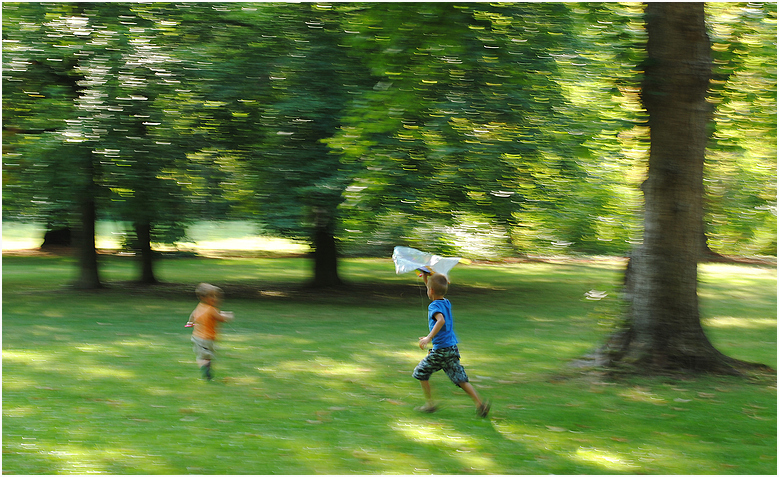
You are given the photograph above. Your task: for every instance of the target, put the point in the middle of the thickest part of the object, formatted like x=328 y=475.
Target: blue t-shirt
x=445 y=337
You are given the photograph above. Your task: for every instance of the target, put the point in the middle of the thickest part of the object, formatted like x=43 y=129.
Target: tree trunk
x=88 y=267
x=57 y=237
x=143 y=235
x=325 y=255
x=664 y=330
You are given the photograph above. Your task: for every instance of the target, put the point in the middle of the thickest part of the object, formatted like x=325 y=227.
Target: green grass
x=314 y=383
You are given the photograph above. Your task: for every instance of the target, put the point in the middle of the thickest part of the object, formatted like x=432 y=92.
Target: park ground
x=310 y=382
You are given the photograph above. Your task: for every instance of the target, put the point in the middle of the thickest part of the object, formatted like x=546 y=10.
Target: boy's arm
x=223 y=315
x=439 y=323
x=227 y=315
x=190 y=321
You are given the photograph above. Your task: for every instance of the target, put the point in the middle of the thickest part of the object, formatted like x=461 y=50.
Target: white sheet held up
x=409 y=259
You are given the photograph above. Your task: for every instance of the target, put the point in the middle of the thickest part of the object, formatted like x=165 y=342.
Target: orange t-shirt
x=205 y=317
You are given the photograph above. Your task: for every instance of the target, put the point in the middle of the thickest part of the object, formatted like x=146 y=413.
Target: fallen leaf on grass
x=557 y=429
x=364 y=455
x=755 y=416
x=392 y=401
x=682 y=400
x=619 y=439
x=706 y=395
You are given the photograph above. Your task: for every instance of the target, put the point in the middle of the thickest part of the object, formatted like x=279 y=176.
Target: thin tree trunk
x=89 y=278
x=143 y=235
x=325 y=255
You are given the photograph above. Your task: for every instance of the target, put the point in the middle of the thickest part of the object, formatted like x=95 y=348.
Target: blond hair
x=438 y=283
x=205 y=290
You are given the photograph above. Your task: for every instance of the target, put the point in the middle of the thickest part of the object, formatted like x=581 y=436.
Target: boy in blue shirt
x=444 y=354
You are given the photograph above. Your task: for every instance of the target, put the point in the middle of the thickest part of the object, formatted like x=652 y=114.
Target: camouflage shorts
x=447 y=359
x=204 y=349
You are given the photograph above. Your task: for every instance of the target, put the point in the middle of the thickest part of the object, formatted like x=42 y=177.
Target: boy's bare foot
x=428 y=408
x=483 y=409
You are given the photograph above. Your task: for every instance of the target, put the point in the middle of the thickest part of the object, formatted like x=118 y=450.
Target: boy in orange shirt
x=204 y=320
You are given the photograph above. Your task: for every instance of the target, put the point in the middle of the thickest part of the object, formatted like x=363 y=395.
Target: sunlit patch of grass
x=460 y=446
x=642 y=395
x=731 y=322
x=206 y=236
x=608 y=460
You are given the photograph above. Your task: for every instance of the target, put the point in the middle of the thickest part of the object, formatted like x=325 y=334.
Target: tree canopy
x=477 y=128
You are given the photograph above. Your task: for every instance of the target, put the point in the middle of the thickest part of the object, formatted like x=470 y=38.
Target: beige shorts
x=204 y=349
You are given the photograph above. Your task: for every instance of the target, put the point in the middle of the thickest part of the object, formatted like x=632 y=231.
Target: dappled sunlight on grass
x=330 y=367
x=458 y=445
x=18 y=411
x=316 y=383
x=25 y=356
x=100 y=371
x=642 y=395
x=267 y=244
x=74 y=459
x=731 y=322
x=606 y=459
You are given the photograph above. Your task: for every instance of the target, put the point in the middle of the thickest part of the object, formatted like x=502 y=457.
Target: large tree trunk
x=664 y=329
x=325 y=254
x=88 y=268
x=143 y=235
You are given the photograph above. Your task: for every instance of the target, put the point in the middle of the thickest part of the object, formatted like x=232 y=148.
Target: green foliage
x=416 y=123
x=741 y=164
x=471 y=113
x=311 y=383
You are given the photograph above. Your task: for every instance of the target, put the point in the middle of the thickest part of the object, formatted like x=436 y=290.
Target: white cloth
x=408 y=259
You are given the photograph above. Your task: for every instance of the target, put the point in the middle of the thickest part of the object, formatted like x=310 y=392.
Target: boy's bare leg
x=205 y=367
x=471 y=392
x=482 y=407
x=429 y=404
x=427 y=391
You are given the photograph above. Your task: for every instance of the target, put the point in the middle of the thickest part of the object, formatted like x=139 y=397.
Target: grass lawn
x=314 y=383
